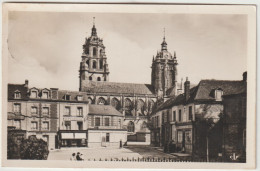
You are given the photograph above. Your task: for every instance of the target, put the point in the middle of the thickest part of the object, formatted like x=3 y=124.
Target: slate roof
x=119 y=88
x=204 y=92
x=20 y=87
x=103 y=110
x=73 y=95
x=205 y=88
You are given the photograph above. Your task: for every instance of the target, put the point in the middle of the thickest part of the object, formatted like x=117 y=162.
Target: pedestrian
x=73 y=157
x=120 y=144
x=78 y=157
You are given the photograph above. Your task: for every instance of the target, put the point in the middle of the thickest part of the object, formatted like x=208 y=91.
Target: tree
x=34 y=149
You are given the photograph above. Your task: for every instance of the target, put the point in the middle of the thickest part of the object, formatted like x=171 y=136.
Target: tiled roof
x=121 y=88
x=104 y=110
x=204 y=92
x=20 y=87
x=206 y=87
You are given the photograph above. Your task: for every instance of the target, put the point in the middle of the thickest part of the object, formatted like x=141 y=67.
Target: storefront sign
x=67 y=135
x=73 y=118
x=80 y=135
x=73 y=135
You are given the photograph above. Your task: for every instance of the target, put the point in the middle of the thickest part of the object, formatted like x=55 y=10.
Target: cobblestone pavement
x=108 y=153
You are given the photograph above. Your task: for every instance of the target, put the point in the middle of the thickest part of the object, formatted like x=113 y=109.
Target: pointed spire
x=153 y=58
x=94 y=30
x=164 y=44
x=181 y=83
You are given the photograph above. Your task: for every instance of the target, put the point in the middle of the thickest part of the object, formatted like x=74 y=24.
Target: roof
x=20 y=87
x=205 y=88
x=204 y=92
x=103 y=110
x=73 y=95
x=120 y=88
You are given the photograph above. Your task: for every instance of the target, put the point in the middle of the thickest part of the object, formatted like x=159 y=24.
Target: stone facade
x=135 y=101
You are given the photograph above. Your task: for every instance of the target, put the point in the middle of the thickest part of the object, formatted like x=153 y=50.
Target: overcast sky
x=46 y=47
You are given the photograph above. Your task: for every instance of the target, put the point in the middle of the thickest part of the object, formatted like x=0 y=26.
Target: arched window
x=94 y=65
x=90 y=100
x=87 y=50
x=140 y=107
x=87 y=62
x=150 y=106
x=94 y=51
x=98 y=79
x=101 y=64
x=90 y=78
x=100 y=52
x=128 y=107
x=116 y=103
x=144 y=126
x=101 y=101
x=131 y=127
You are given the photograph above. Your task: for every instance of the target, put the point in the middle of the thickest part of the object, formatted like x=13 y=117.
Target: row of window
x=68 y=111
x=167 y=117
x=98 y=78
x=98 y=121
x=68 y=125
x=94 y=51
x=44 y=125
x=45 y=95
x=94 y=64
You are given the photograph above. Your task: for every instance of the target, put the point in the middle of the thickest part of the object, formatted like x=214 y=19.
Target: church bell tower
x=93 y=65
x=164 y=72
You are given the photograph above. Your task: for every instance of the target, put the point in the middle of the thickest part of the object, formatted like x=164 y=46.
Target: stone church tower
x=93 y=66
x=164 y=72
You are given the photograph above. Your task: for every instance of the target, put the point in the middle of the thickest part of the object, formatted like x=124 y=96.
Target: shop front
x=73 y=138
x=184 y=139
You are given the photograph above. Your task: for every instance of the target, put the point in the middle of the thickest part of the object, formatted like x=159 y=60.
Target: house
x=105 y=127
x=234 y=125
x=190 y=121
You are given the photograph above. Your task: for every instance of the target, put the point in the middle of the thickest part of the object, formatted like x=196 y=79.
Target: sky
x=46 y=47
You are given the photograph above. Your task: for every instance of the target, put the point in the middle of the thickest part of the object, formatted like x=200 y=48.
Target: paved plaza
x=108 y=153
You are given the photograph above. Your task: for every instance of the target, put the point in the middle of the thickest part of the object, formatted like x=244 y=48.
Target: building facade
x=135 y=101
x=62 y=118
x=192 y=121
x=234 y=126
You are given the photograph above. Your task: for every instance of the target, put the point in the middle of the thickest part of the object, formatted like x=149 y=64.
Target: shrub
x=34 y=149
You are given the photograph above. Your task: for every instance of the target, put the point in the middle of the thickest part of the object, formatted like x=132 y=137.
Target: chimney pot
x=245 y=76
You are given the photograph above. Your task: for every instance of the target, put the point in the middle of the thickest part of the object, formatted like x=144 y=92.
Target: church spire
x=164 y=44
x=94 y=30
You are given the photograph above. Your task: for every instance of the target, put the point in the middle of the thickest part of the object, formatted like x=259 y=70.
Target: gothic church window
x=87 y=62
x=100 y=64
x=90 y=100
x=94 y=66
x=128 y=107
x=140 y=106
x=115 y=103
x=98 y=79
x=94 y=51
x=131 y=127
x=101 y=101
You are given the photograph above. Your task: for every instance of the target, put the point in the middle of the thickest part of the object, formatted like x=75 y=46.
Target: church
x=135 y=101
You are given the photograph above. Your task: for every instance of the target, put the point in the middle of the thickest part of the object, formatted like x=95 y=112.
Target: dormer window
x=79 y=98
x=17 y=94
x=34 y=94
x=45 y=95
x=218 y=94
x=67 y=97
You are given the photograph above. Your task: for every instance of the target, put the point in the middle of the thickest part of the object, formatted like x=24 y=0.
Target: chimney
x=54 y=93
x=26 y=83
x=187 y=89
x=245 y=76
